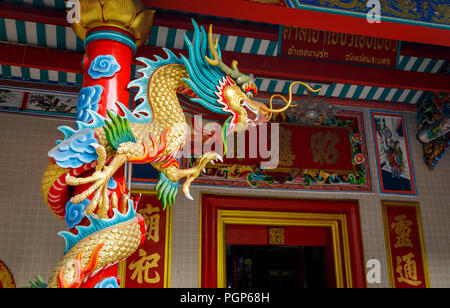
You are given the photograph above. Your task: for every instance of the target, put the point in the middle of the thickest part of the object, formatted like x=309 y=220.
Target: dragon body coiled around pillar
x=79 y=184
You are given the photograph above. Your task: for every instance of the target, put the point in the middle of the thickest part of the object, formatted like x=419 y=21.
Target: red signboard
x=404 y=242
x=341 y=47
x=332 y=157
x=324 y=148
x=148 y=267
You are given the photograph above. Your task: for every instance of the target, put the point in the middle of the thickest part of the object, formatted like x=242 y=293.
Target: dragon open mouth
x=253 y=116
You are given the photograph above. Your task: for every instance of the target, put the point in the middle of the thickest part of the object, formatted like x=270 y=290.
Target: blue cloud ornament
x=88 y=99
x=104 y=67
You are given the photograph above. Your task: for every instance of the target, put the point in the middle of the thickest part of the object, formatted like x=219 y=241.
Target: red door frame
x=211 y=203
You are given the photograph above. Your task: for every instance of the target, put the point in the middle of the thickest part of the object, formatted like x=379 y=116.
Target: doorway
x=250 y=242
x=287 y=233
x=275 y=267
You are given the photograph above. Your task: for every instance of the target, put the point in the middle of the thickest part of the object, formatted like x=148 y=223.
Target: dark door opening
x=261 y=266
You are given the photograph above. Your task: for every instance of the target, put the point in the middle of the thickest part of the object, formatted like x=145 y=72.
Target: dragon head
x=223 y=89
x=237 y=92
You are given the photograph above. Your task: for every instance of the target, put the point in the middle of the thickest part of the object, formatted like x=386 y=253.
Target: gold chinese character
x=276 y=236
x=403 y=230
x=151 y=217
x=323 y=148
x=142 y=267
x=286 y=156
x=407 y=271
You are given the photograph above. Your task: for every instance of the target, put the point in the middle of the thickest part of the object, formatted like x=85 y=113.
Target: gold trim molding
x=336 y=222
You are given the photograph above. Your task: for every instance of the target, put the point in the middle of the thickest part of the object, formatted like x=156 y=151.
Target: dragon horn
x=233 y=72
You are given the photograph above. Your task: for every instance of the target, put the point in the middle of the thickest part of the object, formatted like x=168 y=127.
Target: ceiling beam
x=229 y=27
x=263 y=66
x=27 y=86
x=425 y=51
x=27 y=12
x=329 y=72
x=292 y=69
x=279 y=15
x=31 y=86
x=40 y=58
x=167 y=19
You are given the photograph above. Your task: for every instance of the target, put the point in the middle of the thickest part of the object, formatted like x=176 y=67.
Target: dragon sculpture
x=78 y=184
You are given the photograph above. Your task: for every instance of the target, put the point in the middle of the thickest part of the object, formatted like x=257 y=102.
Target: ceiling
x=39 y=28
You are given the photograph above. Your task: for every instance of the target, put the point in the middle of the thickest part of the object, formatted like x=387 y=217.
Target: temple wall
x=29 y=244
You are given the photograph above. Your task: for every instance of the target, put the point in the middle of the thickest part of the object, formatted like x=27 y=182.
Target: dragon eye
x=251 y=90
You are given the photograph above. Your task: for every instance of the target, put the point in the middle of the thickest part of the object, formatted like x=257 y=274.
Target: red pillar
x=110 y=43
x=114 y=87
x=107 y=73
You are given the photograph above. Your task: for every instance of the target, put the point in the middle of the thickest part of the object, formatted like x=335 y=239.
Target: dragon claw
x=99 y=182
x=99 y=185
x=219 y=158
x=188 y=195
